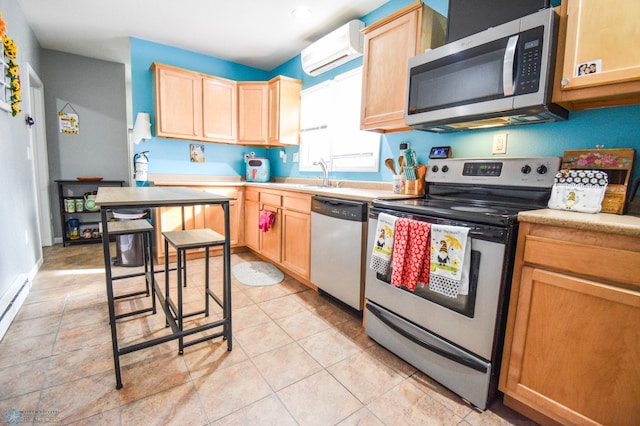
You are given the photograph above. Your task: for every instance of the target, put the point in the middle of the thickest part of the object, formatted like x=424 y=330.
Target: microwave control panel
x=529 y=61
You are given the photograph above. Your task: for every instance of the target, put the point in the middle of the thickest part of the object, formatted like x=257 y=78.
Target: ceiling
x=258 y=33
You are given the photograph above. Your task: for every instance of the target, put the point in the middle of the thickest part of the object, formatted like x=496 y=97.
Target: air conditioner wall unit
x=336 y=48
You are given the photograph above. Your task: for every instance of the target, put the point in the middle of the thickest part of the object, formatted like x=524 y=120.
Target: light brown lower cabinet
x=572 y=347
x=251 y=218
x=288 y=242
x=197 y=217
x=296 y=236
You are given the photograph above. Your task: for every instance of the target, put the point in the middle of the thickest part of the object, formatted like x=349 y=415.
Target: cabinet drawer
x=271 y=199
x=299 y=204
x=250 y=195
x=600 y=262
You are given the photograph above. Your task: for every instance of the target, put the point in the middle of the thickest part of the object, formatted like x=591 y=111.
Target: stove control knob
x=542 y=169
x=526 y=169
x=445 y=169
x=434 y=169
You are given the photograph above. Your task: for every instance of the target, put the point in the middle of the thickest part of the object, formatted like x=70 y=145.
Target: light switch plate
x=500 y=143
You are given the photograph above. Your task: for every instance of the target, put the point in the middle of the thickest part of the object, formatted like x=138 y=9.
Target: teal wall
x=617 y=127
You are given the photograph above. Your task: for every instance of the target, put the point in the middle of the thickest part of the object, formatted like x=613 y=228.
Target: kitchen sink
x=318 y=186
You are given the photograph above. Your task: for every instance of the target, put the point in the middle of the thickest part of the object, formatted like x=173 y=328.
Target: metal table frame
x=110 y=198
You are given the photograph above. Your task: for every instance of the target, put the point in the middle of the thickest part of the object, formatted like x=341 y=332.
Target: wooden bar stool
x=182 y=241
x=137 y=226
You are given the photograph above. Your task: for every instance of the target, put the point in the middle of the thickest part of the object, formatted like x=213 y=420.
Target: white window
x=330 y=127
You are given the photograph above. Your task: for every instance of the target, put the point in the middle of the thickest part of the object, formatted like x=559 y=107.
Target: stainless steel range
x=457 y=339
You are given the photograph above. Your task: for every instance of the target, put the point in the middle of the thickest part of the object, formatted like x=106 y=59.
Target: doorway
x=38 y=147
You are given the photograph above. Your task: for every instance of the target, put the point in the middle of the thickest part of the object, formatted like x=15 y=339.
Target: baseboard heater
x=11 y=309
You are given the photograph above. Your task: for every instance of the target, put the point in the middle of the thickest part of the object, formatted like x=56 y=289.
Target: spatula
x=401 y=164
x=390 y=165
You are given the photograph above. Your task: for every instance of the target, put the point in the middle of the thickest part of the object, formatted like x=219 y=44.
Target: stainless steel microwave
x=502 y=76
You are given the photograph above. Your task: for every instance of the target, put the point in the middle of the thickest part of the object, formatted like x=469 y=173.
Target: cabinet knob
x=564 y=82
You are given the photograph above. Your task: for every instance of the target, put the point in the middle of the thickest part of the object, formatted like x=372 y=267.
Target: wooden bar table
x=113 y=198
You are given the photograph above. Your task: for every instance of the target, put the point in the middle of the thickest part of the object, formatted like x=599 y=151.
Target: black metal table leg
x=110 y=299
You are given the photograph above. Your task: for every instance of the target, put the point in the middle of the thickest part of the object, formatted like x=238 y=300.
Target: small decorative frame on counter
x=617 y=163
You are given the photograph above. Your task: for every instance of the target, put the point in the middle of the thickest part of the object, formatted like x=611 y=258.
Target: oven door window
x=463 y=304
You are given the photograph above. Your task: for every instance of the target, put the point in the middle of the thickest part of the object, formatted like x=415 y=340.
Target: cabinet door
x=178 y=103
x=296 y=242
x=284 y=111
x=388 y=45
x=253 y=112
x=214 y=215
x=271 y=241
x=384 y=80
x=251 y=218
x=170 y=219
x=219 y=109
x=575 y=353
x=598 y=31
x=274 y=112
x=604 y=35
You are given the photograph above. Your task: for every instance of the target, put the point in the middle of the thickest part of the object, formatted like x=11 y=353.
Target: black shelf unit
x=75 y=189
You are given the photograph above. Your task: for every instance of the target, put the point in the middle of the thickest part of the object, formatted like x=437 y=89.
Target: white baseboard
x=13 y=299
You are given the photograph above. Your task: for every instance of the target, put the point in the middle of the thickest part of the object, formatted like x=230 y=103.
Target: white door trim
x=38 y=144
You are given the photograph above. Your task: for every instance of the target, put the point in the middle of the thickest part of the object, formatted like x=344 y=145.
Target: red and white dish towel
x=410 y=253
x=450 y=259
x=383 y=246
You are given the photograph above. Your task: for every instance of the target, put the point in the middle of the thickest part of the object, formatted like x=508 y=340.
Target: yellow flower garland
x=13 y=72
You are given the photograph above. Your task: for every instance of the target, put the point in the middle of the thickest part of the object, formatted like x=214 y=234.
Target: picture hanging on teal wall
x=197 y=153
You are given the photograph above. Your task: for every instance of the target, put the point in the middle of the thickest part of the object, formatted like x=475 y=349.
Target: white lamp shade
x=141 y=128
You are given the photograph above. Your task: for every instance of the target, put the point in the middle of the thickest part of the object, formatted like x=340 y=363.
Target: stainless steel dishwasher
x=338 y=241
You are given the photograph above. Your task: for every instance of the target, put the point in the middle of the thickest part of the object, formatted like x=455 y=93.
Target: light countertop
x=601 y=222
x=353 y=190
x=154 y=196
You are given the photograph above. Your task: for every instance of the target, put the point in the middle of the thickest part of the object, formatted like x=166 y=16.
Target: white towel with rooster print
x=383 y=244
x=450 y=260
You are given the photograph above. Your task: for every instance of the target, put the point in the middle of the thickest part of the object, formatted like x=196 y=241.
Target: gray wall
x=19 y=250
x=96 y=91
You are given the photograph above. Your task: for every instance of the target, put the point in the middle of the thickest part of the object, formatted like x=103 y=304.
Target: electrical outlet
x=500 y=143
x=295 y=157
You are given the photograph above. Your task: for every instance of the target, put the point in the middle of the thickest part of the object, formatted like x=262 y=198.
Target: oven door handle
x=466 y=361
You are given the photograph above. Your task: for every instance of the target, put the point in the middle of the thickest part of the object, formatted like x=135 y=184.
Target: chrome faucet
x=325 y=171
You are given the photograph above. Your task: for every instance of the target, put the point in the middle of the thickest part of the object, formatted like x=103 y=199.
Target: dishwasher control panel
x=351 y=210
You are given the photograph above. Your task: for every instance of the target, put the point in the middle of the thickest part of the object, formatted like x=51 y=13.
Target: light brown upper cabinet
x=178 y=95
x=284 y=111
x=253 y=112
x=219 y=109
x=388 y=45
x=604 y=34
x=194 y=106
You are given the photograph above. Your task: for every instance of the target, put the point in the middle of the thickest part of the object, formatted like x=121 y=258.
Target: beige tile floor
x=297 y=359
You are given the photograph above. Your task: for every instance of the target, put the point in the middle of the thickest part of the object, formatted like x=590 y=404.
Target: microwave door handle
x=507 y=66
